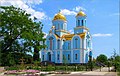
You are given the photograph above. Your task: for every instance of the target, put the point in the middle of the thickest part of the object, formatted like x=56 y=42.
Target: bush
x=13 y=68
x=50 y=68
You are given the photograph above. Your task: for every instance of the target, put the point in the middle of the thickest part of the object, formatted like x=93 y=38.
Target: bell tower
x=80 y=23
x=60 y=23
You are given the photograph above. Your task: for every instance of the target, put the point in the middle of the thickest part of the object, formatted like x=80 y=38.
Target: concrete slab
x=94 y=73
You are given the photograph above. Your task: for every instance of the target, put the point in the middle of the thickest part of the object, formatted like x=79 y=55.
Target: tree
x=102 y=58
x=18 y=32
x=115 y=59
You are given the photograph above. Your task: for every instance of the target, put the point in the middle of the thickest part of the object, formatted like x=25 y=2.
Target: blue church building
x=65 y=47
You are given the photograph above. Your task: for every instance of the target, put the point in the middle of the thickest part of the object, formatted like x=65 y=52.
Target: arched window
x=88 y=44
x=58 y=26
x=76 y=56
x=58 y=44
x=68 y=46
x=82 y=23
x=86 y=58
x=68 y=56
x=76 y=43
x=42 y=57
x=51 y=43
x=63 y=57
x=78 y=22
x=58 y=57
x=85 y=22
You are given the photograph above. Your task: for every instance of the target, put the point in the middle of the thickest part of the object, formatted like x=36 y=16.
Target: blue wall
x=78 y=56
x=66 y=53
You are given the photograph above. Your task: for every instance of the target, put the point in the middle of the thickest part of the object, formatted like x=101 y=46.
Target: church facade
x=65 y=47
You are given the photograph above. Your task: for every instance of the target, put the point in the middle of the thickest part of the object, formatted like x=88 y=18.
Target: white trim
x=81 y=51
x=71 y=50
x=60 y=56
x=71 y=56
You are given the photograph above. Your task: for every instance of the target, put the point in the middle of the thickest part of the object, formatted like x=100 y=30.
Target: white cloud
x=22 y=4
x=67 y=12
x=33 y=1
x=78 y=8
x=101 y=35
x=115 y=14
x=40 y=15
x=74 y=11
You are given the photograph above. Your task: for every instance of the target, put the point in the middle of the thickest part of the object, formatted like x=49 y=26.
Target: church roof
x=59 y=16
x=69 y=36
x=57 y=36
x=81 y=13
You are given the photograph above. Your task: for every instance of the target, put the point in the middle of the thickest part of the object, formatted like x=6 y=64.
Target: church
x=63 y=47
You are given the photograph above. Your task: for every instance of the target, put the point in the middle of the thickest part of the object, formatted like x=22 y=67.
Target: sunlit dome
x=81 y=13
x=59 y=16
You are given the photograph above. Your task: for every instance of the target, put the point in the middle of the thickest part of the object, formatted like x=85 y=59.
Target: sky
x=102 y=18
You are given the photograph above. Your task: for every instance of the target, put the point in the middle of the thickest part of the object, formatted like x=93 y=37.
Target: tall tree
x=102 y=58
x=18 y=32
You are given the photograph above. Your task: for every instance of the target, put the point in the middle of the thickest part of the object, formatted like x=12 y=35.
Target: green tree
x=19 y=33
x=102 y=58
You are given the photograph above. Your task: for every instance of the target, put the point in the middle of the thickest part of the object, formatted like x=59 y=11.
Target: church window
x=82 y=22
x=68 y=56
x=58 y=26
x=55 y=27
x=76 y=56
x=63 y=57
x=62 y=26
x=88 y=43
x=51 y=43
x=85 y=22
x=68 y=46
x=43 y=58
x=76 y=43
x=58 y=44
x=58 y=57
x=78 y=22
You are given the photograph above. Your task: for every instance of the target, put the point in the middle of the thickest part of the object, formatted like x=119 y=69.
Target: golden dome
x=81 y=13
x=59 y=16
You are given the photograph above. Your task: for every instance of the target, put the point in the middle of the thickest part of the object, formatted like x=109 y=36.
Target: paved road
x=89 y=74
x=104 y=69
x=103 y=72
x=98 y=72
x=2 y=69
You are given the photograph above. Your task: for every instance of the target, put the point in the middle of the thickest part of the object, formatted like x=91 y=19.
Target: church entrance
x=49 y=56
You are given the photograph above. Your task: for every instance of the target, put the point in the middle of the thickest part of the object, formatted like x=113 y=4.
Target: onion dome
x=81 y=13
x=59 y=16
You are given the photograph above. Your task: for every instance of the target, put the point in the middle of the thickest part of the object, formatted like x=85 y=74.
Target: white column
x=71 y=51
x=60 y=56
x=71 y=56
x=81 y=50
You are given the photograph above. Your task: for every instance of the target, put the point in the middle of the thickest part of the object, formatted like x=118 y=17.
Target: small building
x=65 y=47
